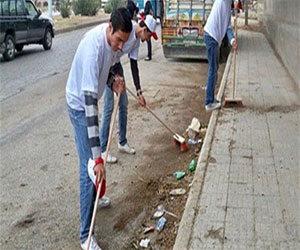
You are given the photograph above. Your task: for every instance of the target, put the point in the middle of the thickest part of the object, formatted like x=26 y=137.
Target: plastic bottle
x=179 y=175
x=194 y=142
x=177 y=191
x=160 y=224
x=192 y=165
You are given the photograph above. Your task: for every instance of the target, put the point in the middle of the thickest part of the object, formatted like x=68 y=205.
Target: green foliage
x=113 y=4
x=65 y=8
x=86 y=7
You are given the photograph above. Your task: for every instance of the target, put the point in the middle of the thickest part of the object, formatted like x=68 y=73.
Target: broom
x=105 y=159
x=234 y=101
x=179 y=140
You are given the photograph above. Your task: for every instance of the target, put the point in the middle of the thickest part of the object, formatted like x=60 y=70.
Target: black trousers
x=149 y=49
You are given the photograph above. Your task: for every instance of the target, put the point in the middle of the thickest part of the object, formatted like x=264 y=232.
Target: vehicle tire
x=47 y=40
x=19 y=47
x=10 y=46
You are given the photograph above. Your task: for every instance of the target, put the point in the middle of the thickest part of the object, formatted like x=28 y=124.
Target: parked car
x=21 y=23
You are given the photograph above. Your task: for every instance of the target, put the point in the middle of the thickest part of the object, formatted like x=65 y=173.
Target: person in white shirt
x=86 y=82
x=218 y=24
x=142 y=31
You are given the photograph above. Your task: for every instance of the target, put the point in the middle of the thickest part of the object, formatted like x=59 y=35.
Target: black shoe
x=147 y=58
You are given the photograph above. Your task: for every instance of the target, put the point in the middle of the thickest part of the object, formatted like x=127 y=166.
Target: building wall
x=282 y=20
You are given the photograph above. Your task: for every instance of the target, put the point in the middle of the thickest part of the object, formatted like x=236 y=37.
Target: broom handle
x=234 y=59
x=151 y=111
x=105 y=159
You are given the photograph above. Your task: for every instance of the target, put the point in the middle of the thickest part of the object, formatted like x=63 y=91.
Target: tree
x=113 y=4
x=86 y=7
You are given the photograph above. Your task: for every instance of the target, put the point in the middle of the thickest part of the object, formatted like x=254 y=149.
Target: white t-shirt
x=90 y=67
x=219 y=20
x=131 y=47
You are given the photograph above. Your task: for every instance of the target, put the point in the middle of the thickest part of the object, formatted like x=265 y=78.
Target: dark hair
x=120 y=19
x=132 y=8
x=142 y=24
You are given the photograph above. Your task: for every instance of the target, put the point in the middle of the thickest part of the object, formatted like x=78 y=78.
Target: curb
x=79 y=26
x=185 y=230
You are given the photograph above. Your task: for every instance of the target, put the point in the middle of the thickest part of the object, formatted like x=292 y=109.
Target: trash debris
x=194 y=128
x=194 y=142
x=179 y=175
x=203 y=130
x=134 y=245
x=159 y=212
x=169 y=213
x=145 y=242
x=177 y=191
x=149 y=229
x=160 y=224
x=192 y=165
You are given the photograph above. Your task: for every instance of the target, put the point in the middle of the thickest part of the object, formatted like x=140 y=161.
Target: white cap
x=151 y=25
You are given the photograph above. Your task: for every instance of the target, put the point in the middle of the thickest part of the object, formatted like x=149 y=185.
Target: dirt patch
x=27 y=221
x=73 y=20
x=215 y=234
x=154 y=178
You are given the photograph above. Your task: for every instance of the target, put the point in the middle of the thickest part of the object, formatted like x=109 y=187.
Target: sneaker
x=104 y=202
x=213 y=106
x=110 y=158
x=147 y=59
x=126 y=149
x=93 y=244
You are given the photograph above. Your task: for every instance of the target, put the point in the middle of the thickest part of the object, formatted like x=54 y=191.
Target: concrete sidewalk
x=245 y=193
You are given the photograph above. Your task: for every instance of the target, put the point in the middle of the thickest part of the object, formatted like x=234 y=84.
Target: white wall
x=282 y=20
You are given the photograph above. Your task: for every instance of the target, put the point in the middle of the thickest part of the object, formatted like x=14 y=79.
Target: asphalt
x=245 y=193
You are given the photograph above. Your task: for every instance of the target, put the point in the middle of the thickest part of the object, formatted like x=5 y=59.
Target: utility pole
x=50 y=8
x=246 y=12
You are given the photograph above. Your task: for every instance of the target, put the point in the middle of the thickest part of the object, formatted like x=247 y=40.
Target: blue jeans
x=87 y=189
x=212 y=48
x=106 y=117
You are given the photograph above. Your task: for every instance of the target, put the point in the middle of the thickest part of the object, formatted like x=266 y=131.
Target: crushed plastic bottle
x=149 y=229
x=194 y=142
x=160 y=224
x=192 y=165
x=145 y=243
x=177 y=191
x=159 y=212
x=179 y=175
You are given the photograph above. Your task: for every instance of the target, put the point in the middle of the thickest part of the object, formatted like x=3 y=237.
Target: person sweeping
x=86 y=82
x=218 y=24
x=142 y=31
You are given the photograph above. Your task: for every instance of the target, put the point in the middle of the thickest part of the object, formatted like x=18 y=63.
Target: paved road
x=34 y=63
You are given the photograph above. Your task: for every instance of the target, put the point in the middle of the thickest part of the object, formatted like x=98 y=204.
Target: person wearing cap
x=86 y=82
x=148 y=11
x=218 y=24
x=142 y=31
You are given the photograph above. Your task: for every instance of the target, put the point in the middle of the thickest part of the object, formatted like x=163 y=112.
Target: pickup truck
x=21 y=23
